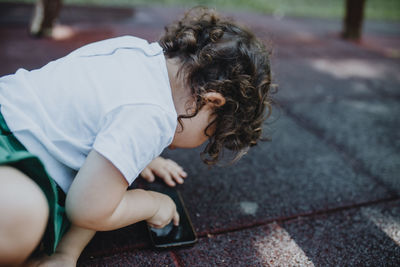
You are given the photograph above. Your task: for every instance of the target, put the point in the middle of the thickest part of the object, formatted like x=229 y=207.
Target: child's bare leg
x=68 y=250
x=23 y=216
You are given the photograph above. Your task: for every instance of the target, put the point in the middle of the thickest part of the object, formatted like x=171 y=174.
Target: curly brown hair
x=218 y=55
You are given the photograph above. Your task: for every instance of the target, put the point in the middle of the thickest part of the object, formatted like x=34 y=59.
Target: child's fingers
x=176 y=218
x=171 y=172
x=179 y=171
x=168 y=180
x=148 y=175
x=177 y=177
x=182 y=173
x=166 y=176
x=171 y=162
x=177 y=167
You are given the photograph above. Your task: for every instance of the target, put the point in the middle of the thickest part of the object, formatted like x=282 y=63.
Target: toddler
x=77 y=132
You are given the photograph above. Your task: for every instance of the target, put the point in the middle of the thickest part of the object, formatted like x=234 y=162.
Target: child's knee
x=24 y=214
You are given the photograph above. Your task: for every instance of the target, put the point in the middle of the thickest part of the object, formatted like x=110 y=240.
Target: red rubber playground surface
x=324 y=192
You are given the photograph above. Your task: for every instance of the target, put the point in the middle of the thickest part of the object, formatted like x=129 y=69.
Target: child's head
x=219 y=56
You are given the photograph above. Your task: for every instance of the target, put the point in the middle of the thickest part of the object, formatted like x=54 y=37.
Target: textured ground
x=324 y=192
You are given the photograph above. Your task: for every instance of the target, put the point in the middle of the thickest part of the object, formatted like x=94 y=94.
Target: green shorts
x=13 y=153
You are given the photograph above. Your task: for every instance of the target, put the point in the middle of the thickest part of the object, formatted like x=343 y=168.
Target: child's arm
x=98 y=199
x=166 y=169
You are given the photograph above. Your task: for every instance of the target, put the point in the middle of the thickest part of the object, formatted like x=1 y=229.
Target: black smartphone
x=171 y=235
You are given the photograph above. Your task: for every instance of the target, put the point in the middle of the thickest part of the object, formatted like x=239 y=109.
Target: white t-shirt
x=113 y=96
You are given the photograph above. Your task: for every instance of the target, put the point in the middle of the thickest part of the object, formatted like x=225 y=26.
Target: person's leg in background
x=44 y=17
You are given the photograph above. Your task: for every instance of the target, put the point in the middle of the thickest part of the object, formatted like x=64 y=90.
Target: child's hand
x=165 y=213
x=166 y=169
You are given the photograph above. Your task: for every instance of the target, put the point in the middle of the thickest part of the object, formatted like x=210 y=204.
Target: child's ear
x=215 y=99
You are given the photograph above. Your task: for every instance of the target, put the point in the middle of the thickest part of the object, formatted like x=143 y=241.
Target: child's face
x=193 y=130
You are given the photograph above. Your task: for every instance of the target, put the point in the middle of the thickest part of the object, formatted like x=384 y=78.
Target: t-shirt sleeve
x=131 y=136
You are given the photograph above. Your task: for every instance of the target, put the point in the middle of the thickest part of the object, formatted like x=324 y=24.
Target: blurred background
x=375 y=9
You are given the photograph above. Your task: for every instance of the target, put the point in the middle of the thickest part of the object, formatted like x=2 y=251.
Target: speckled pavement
x=324 y=192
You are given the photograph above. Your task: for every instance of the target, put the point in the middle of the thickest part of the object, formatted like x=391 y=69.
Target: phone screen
x=170 y=235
